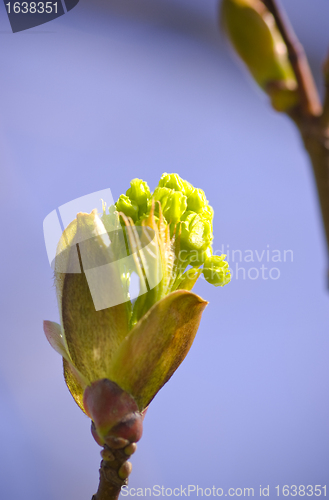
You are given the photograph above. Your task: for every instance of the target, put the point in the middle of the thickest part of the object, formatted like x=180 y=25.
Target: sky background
x=133 y=88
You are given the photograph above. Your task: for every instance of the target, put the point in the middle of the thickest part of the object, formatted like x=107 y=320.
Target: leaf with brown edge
x=156 y=346
x=74 y=383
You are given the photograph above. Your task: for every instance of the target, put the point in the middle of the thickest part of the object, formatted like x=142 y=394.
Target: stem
x=316 y=142
x=113 y=473
x=309 y=97
x=311 y=120
x=325 y=114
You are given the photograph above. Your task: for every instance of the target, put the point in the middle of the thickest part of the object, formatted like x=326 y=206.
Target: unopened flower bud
x=173 y=203
x=197 y=200
x=139 y=192
x=196 y=233
x=216 y=270
x=175 y=182
x=207 y=212
x=127 y=206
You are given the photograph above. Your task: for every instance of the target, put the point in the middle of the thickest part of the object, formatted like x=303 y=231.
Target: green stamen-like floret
x=196 y=232
x=197 y=200
x=139 y=192
x=185 y=209
x=173 y=203
x=216 y=271
x=175 y=182
x=207 y=212
x=127 y=206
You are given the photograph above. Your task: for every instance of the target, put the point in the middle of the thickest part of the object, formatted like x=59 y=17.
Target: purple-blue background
x=132 y=88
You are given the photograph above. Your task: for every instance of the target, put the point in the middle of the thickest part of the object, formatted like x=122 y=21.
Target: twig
x=312 y=121
x=114 y=472
x=316 y=142
x=310 y=101
x=325 y=114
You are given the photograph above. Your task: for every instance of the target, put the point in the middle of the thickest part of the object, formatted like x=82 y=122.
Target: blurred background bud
x=255 y=37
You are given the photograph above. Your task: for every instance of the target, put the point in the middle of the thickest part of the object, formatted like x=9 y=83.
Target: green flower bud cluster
x=185 y=209
x=120 y=348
